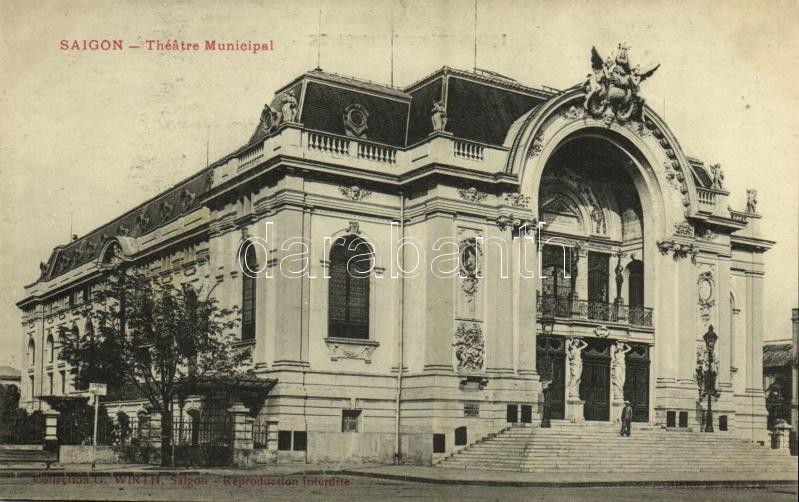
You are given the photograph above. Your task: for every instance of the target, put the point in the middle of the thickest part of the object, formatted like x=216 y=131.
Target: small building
x=10 y=376
x=778 y=380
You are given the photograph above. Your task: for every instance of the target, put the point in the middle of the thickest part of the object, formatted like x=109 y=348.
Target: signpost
x=97 y=390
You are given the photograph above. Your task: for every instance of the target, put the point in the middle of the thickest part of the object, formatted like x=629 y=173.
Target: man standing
x=626 y=418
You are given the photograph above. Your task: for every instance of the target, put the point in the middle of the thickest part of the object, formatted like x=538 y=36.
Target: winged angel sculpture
x=611 y=89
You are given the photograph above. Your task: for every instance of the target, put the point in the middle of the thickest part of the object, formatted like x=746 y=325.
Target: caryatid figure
x=574 y=351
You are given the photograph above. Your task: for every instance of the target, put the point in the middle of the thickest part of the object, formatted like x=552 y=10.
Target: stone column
x=51 y=430
x=154 y=432
x=527 y=282
x=242 y=434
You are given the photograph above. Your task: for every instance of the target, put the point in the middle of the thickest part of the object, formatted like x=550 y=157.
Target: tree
x=157 y=338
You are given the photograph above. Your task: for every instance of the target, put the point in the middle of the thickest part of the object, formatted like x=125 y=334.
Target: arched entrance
x=601 y=192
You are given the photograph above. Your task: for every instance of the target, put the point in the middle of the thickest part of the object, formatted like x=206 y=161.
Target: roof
x=9 y=372
x=777 y=354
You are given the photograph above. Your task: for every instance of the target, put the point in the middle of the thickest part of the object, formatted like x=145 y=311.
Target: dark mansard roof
x=481 y=106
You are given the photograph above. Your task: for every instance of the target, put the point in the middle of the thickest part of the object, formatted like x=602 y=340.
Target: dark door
x=636 y=385
x=595 y=382
x=551 y=365
x=513 y=414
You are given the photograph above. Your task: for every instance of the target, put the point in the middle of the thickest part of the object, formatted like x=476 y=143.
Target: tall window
x=556 y=265
x=31 y=352
x=249 y=263
x=635 y=292
x=50 y=349
x=598 y=277
x=351 y=261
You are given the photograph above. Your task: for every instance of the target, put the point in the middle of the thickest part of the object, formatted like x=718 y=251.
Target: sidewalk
x=553 y=479
x=420 y=474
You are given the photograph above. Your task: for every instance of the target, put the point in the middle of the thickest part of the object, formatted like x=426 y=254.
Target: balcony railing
x=594 y=311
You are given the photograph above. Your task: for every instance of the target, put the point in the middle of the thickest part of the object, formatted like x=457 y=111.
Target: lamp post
x=547 y=326
x=710 y=338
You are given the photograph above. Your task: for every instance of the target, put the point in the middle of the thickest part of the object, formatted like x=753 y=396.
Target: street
x=332 y=487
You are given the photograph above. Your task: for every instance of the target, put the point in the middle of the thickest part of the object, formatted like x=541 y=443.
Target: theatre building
x=592 y=258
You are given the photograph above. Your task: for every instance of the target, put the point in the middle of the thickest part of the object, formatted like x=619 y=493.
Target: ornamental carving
x=472 y=195
x=684 y=229
x=515 y=199
x=572 y=113
x=439 y=116
x=678 y=250
x=165 y=209
x=705 y=234
x=536 y=147
x=706 y=286
x=469 y=347
x=142 y=222
x=351 y=349
x=518 y=226
x=612 y=88
x=470 y=261
x=751 y=201
x=355 y=192
x=718 y=177
x=356 y=121
x=187 y=198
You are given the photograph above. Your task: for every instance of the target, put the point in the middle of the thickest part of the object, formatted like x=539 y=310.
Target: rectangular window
x=31 y=386
x=598 y=282
x=683 y=419
x=439 y=443
x=63 y=375
x=471 y=410
x=284 y=440
x=671 y=419
x=50 y=384
x=300 y=440
x=349 y=420
x=723 y=422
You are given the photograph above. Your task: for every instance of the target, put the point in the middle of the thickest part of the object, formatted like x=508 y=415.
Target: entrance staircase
x=567 y=447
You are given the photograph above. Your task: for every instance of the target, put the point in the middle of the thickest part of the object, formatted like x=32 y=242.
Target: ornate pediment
x=559 y=205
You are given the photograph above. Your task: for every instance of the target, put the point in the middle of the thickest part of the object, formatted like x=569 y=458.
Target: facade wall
x=311 y=197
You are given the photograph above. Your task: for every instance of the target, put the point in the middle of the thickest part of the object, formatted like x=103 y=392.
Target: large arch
x=649 y=152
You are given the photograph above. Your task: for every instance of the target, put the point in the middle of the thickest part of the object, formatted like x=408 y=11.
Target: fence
x=23 y=429
x=203 y=430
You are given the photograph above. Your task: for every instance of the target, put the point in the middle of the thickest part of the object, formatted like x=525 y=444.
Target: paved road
x=304 y=488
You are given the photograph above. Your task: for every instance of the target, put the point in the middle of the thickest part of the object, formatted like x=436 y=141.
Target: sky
x=85 y=136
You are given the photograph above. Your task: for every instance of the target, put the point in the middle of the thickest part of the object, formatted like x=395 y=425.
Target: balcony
x=593 y=311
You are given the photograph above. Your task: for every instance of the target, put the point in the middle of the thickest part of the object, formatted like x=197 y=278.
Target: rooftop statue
x=612 y=88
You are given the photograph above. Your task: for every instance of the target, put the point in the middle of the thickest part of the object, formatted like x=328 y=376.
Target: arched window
x=31 y=352
x=88 y=329
x=249 y=266
x=49 y=348
x=351 y=261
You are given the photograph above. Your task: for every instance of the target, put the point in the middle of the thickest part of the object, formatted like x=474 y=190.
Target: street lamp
x=710 y=338
x=547 y=327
